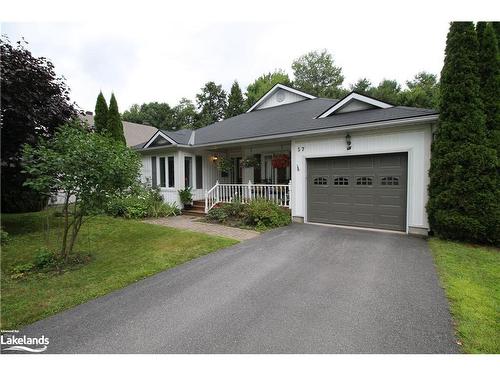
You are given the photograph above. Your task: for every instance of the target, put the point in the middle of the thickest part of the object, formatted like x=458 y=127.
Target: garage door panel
x=368 y=191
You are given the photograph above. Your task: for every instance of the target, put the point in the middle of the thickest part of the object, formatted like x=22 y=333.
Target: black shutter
x=153 y=171
x=199 y=172
x=163 y=180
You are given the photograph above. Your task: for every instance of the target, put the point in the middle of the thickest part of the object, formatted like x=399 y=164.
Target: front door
x=236 y=172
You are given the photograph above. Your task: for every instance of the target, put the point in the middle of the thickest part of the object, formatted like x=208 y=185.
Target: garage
x=364 y=191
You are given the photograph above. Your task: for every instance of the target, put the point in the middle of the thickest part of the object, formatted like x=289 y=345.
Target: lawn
x=123 y=251
x=471 y=278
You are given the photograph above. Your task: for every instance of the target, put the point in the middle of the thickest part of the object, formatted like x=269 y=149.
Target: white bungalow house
x=357 y=161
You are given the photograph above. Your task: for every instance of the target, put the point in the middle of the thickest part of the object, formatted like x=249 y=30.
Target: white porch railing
x=227 y=193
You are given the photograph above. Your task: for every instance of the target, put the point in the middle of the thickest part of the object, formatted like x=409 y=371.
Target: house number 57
x=300 y=148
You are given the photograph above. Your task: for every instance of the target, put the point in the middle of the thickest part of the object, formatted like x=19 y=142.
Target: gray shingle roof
x=290 y=118
x=135 y=134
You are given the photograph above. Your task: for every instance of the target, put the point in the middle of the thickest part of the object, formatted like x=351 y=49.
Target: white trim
x=153 y=138
x=354 y=96
x=274 y=89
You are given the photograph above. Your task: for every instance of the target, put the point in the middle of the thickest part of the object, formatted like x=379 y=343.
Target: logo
x=16 y=343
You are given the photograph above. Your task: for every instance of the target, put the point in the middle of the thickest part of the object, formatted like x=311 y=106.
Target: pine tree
x=115 y=126
x=235 y=101
x=463 y=194
x=101 y=114
x=489 y=73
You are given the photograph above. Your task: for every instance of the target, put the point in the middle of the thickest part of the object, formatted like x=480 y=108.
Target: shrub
x=20 y=269
x=44 y=258
x=264 y=214
x=4 y=236
x=235 y=209
x=217 y=214
x=142 y=201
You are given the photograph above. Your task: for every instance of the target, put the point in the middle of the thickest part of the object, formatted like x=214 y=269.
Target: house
x=357 y=161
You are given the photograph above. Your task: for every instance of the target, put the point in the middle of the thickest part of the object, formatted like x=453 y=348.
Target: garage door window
x=341 y=181
x=364 y=180
x=389 y=181
x=322 y=180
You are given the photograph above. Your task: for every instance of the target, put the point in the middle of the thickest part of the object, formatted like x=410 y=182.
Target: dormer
x=354 y=102
x=279 y=95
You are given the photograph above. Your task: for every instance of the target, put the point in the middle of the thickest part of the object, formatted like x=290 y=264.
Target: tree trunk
x=66 y=227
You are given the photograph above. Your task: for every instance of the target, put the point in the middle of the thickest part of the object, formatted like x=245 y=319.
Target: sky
x=166 y=57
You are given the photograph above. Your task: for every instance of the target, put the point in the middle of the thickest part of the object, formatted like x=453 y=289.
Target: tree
x=263 y=84
x=463 y=190
x=496 y=27
x=362 y=86
x=35 y=101
x=211 y=103
x=387 y=91
x=88 y=166
x=115 y=126
x=489 y=73
x=423 y=91
x=235 y=101
x=185 y=114
x=101 y=114
x=133 y=114
x=316 y=73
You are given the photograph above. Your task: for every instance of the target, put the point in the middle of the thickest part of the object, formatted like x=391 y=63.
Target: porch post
x=249 y=190
x=290 y=194
x=217 y=198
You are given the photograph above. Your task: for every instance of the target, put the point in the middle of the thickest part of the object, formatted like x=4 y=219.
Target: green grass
x=471 y=277
x=123 y=251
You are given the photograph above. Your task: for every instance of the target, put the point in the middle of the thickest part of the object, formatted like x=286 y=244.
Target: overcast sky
x=165 y=61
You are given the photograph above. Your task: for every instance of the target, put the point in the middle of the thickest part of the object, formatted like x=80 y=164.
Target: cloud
x=165 y=61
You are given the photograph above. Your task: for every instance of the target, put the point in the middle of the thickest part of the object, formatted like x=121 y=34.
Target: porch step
x=199 y=204
x=193 y=212
x=198 y=209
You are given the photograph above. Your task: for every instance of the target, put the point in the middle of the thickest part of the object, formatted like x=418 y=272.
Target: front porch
x=222 y=175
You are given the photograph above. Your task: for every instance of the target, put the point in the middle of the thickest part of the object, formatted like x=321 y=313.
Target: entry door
x=365 y=191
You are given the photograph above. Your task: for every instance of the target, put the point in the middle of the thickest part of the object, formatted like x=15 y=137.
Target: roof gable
x=278 y=95
x=159 y=139
x=354 y=102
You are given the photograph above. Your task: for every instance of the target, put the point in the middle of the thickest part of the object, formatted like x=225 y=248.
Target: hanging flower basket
x=280 y=161
x=250 y=162
x=224 y=164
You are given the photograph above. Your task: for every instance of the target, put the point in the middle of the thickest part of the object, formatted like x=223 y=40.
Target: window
x=188 y=179
x=320 y=181
x=163 y=180
x=171 y=172
x=389 y=180
x=199 y=172
x=153 y=171
x=257 y=177
x=365 y=181
x=341 y=181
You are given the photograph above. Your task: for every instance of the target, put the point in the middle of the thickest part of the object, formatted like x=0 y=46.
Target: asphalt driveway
x=299 y=289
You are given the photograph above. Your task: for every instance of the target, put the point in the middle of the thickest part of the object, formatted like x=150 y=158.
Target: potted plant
x=250 y=162
x=186 y=196
x=280 y=161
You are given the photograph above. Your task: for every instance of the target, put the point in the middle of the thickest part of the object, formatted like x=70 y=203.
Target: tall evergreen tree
x=463 y=192
x=211 y=103
x=489 y=73
x=235 y=101
x=115 y=126
x=101 y=114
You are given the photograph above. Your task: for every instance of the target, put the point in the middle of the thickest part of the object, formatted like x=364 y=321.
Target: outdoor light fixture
x=348 y=141
x=214 y=158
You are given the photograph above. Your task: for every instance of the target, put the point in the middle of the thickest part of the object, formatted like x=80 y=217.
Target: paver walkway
x=193 y=223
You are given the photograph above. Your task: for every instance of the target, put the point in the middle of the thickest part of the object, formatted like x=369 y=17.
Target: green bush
x=217 y=214
x=22 y=268
x=264 y=214
x=260 y=213
x=141 y=202
x=4 y=236
x=44 y=258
